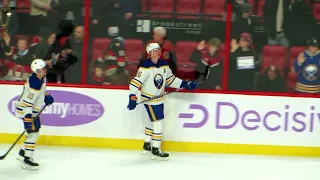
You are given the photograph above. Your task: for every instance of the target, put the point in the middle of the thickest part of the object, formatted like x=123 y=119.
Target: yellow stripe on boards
x=89 y=142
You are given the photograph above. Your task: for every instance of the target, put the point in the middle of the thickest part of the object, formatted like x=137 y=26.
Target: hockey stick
x=205 y=77
x=5 y=155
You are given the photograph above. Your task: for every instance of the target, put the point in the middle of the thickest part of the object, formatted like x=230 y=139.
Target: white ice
x=63 y=163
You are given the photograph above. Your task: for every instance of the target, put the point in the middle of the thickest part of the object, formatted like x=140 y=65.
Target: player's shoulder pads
x=34 y=82
x=147 y=64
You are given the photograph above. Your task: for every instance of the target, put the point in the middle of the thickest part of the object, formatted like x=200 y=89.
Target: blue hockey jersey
x=308 y=78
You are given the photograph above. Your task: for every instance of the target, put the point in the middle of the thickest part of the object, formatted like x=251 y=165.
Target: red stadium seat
x=216 y=7
x=188 y=7
x=163 y=6
x=316 y=11
x=274 y=55
x=183 y=54
x=23 y=5
x=144 y=5
x=99 y=45
x=134 y=49
x=184 y=50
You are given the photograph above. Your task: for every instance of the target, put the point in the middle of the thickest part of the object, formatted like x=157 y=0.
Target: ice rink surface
x=63 y=163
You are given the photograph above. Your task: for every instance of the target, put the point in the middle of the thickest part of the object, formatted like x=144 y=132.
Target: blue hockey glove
x=132 y=102
x=189 y=85
x=27 y=120
x=48 y=100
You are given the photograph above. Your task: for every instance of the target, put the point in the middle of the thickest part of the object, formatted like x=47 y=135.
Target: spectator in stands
x=72 y=74
x=243 y=22
x=20 y=60
x=44 y=49
x=209 y=54
x=288 y=20
x=302 y=23
x=8 y=18
x=5 y=50
x=236 y=8
x=271 y=81
x=115 y=60
x=159 y=36
x=44 y=13
x=62 y=46
x=307 y=66
x=70 y=10
x=241 y=64
x=98 y=73
x=113 y=13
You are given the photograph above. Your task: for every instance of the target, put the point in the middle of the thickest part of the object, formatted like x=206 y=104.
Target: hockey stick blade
x=205 y=77
x=12 y=146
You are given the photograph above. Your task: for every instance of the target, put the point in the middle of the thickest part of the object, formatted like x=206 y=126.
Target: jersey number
x=30 y=96
x=139 y=74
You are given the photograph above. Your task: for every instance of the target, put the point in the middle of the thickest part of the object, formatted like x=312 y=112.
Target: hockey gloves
x=27 y=120
x=48 y=100
x=189 y=85
x=132 y=102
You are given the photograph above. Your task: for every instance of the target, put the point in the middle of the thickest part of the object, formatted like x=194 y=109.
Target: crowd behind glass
x=270 y=40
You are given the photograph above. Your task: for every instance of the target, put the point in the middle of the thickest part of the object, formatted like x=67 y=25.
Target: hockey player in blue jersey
x=33 y=97
x=153 y=76
x=307 y=65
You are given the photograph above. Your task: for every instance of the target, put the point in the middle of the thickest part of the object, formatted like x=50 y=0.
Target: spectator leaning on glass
x=307 y=65
x=241 y=64
x=209 y=54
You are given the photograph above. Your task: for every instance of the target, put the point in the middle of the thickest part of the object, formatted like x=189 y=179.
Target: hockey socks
x=156 y=142
x=29 y=143
x=147 y=134
x=157 y=134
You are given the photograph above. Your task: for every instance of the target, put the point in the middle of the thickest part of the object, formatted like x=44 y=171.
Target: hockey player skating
x=153 y=76
x=28 y=106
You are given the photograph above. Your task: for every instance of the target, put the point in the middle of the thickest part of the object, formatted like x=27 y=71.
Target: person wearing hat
x=307 y=66
x=241 y=64
x=209 y=54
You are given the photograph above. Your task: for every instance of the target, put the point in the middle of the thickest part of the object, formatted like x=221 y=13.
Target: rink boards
x=215 y=123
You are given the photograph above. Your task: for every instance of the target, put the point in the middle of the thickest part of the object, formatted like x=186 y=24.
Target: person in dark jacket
x=241 y=64
x=271 y=81
x=286 y=21
x=209 y=54
x=243 y=22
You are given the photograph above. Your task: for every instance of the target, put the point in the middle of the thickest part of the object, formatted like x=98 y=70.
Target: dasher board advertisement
x=194 y=122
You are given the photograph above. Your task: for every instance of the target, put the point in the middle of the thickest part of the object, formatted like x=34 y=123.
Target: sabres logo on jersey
x=310 y=72
x=158 y=81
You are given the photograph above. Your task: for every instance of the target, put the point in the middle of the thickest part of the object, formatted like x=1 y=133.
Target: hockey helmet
x=37 y=64
x=152 y=46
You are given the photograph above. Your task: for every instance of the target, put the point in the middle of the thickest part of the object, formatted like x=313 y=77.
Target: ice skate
x=21 y=155
x=159 y=155
x=146 y=148
x=29 y=164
